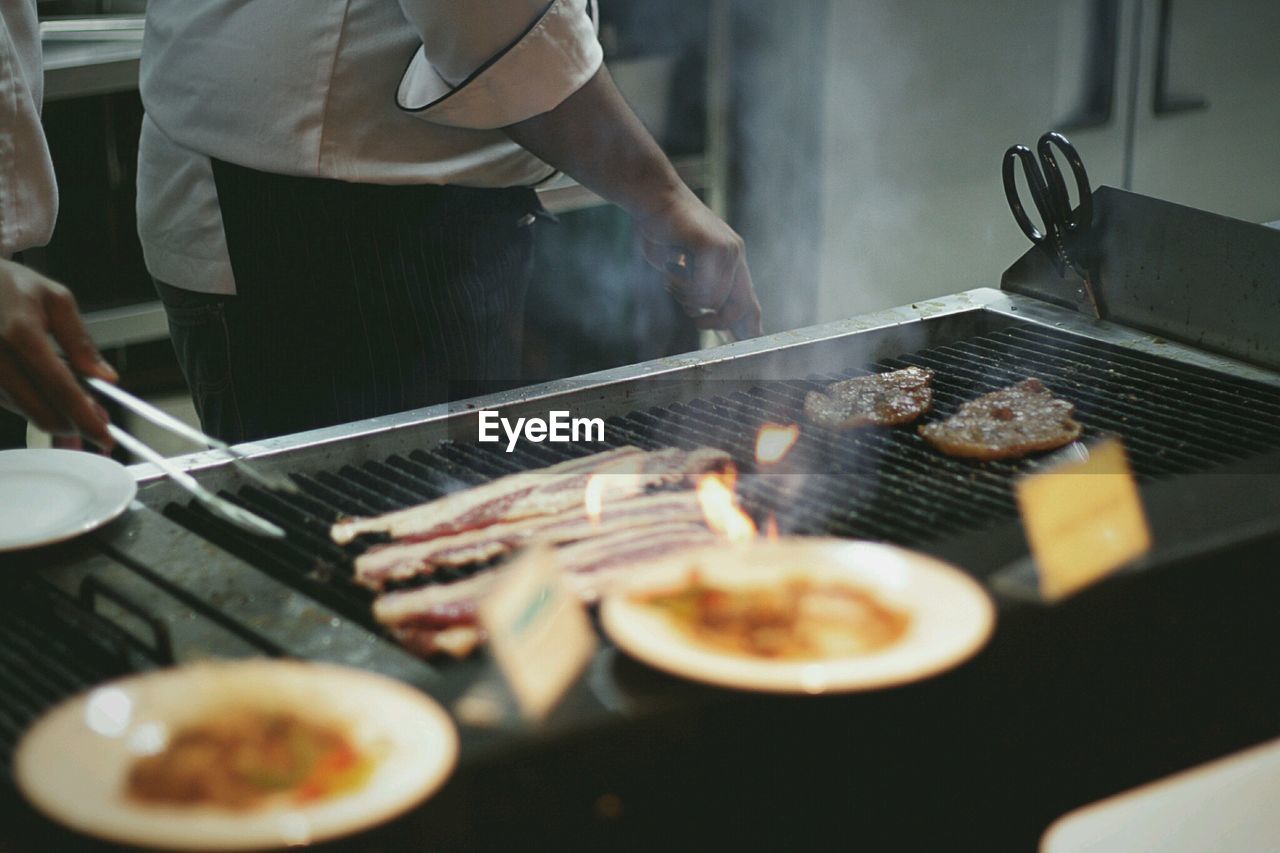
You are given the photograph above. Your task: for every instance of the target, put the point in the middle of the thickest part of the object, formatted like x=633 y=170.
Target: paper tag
x=538 y=631
x=1083 y=519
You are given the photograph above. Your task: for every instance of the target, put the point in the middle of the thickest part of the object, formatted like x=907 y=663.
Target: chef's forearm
x=595 y=138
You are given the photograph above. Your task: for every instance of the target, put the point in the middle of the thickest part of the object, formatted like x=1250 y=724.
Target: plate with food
x=236 y=755
x=48 y=496
x=800 y=615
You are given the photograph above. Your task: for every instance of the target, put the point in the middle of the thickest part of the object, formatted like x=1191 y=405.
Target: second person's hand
x=705 y=263
x=32 y=375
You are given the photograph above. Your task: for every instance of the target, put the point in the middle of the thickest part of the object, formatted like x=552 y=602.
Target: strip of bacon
x=421 y=616
x=546 y=491
x=399 y=561
x=581 y=560
x=457 y=641
x=460 y=503
x=436 y=605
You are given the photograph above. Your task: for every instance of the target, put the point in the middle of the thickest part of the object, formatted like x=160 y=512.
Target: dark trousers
x=353 y=301
x=13 y=430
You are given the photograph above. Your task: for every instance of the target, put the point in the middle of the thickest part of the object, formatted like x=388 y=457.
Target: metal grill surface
x=51 y=647
x=882 y=484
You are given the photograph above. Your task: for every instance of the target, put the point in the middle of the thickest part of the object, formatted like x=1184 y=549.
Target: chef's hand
x=705 y=262
x=595 y=137
x=32 y=376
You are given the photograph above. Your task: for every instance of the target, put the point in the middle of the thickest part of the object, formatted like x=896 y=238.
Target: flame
x=624 y=477
x=775 y=441
x=720 y=506
x=593 y=498
x=771 y=528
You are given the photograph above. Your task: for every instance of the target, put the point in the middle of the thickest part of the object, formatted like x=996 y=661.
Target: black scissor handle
x=1039 y=192
x=1048 y=187
x=1057 y=185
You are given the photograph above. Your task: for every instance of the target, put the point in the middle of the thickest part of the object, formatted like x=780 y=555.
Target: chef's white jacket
x=28 y=194
x=370 y=91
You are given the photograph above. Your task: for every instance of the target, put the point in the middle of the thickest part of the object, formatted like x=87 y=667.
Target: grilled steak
x=1013 y=421
x=882 y=399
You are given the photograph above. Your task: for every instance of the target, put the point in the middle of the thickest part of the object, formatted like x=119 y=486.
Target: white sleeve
x=458 y=78
x=28 y=193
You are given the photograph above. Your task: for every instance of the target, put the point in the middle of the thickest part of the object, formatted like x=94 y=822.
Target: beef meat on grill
x=1014 y=421
x=882 y=399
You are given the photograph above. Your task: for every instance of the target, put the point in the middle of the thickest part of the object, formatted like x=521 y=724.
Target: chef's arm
x=33 y=379
x=594 y=137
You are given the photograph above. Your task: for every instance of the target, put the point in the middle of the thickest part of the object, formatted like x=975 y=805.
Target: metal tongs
x=221 y=507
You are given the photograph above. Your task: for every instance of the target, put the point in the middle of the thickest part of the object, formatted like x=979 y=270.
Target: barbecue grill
x=1184 y=374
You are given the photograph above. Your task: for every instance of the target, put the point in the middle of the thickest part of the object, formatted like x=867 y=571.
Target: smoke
x=921 y=99
x=777 y=59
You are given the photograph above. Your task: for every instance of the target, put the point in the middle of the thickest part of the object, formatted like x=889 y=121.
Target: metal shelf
x=132 y=324
x=90 y=56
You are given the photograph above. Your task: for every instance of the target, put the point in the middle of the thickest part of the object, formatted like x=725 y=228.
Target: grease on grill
x=882 y=399
x=1014 y=421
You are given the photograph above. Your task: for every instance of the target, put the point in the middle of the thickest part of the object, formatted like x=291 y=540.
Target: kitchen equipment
x=237 y=515
x=1066 y=235
x=169 y=423
x=1181 y=411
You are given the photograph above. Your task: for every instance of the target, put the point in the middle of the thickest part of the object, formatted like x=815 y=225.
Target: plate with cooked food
x=241 y=755
x=800 y=615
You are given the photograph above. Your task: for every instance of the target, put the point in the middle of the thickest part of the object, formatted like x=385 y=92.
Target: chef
x=33 y=379
x=336 y=197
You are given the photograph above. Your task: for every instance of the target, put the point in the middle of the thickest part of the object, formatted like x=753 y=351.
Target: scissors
x=1066 y=235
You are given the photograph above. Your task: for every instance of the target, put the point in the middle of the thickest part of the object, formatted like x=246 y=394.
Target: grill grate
x=885 y=484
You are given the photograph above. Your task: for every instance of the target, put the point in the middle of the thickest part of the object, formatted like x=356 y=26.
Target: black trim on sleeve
x=488 y=63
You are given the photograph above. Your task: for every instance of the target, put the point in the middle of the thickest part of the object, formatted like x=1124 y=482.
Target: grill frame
x=183 y=577
x=885 y=485
x=218 y=604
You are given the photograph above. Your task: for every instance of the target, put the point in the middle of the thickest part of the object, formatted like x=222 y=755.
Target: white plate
x=47 y=496
x=951 y=615
x=73 y=762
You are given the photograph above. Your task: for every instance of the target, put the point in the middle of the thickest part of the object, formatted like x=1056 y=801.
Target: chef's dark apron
x=352 y=301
